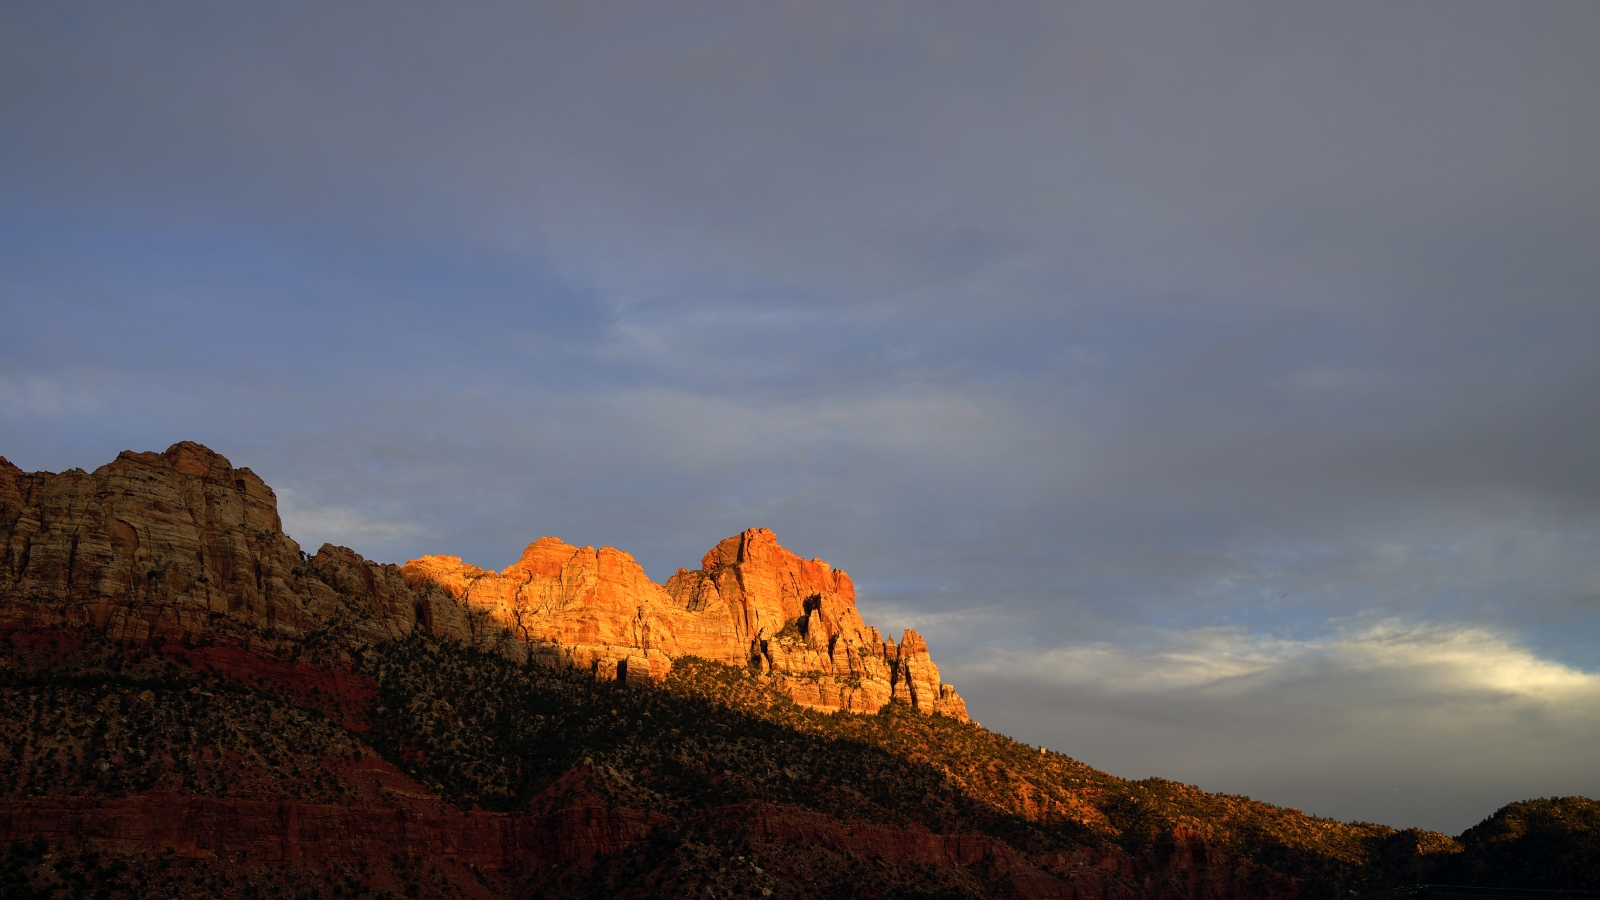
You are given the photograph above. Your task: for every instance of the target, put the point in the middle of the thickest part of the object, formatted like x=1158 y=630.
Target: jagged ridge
x=181 y=543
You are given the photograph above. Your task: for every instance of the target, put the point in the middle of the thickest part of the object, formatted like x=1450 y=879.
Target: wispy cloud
x=370 y=530
x=1385 y=721
x=1414 y=659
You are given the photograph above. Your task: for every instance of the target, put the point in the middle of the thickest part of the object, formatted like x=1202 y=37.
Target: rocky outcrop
x=751 y=603
x=175 y=544
x=152 y=544
x=165 y=545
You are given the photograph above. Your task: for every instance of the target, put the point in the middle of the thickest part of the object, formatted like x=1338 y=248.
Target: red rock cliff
x=751 y=603
x=181 y=542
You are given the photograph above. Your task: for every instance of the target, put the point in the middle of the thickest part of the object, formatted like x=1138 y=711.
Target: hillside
x=194 y=707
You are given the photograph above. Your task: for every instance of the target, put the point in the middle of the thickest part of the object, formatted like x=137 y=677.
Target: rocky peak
x=11 y=478
x=765 y=586
x=197 y=460
x=545 y=556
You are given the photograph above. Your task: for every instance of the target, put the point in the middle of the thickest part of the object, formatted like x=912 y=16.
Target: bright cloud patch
x=1391 y=722
x=1221 y=661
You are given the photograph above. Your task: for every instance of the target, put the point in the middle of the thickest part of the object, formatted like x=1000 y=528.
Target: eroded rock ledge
x=174 y=544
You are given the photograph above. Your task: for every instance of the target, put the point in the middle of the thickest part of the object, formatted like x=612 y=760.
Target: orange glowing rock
x=752 y=603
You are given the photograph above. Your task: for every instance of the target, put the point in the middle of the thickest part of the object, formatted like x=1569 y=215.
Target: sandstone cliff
x=182 y=543
x=751 y=603
x=163 y=545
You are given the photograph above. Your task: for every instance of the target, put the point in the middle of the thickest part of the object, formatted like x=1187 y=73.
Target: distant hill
x=191 y=706
x=1550 y=843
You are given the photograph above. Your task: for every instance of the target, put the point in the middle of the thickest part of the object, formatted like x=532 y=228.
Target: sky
x=1214 y=385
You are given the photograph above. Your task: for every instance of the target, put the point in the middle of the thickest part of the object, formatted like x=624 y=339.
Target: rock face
x=166 y=545
x=163 y=545
x=751 y=603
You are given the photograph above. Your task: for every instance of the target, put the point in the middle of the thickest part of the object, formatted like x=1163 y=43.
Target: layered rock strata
x=165 y=545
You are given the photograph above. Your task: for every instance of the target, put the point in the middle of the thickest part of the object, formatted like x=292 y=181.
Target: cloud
x=313 y=524
x=1408 y=724
x=1419 y=661
x=1466 y=660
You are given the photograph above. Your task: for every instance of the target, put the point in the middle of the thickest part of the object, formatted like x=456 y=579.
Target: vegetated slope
x=832 y=804
x=199 y=775
x=176 y=769
x=1551 y=842
x=193 y=707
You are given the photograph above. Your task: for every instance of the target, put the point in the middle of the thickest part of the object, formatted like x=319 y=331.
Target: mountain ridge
x=201 y=708
x=208 y=542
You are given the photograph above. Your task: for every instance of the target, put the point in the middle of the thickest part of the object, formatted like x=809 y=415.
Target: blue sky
x=1212 y=384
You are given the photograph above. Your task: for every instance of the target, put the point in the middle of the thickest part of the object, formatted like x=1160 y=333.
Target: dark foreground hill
x=324 y=727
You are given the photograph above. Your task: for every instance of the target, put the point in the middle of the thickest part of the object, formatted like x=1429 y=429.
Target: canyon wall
x=165 y=545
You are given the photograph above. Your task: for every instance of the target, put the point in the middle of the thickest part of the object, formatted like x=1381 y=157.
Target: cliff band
x=165 y=545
